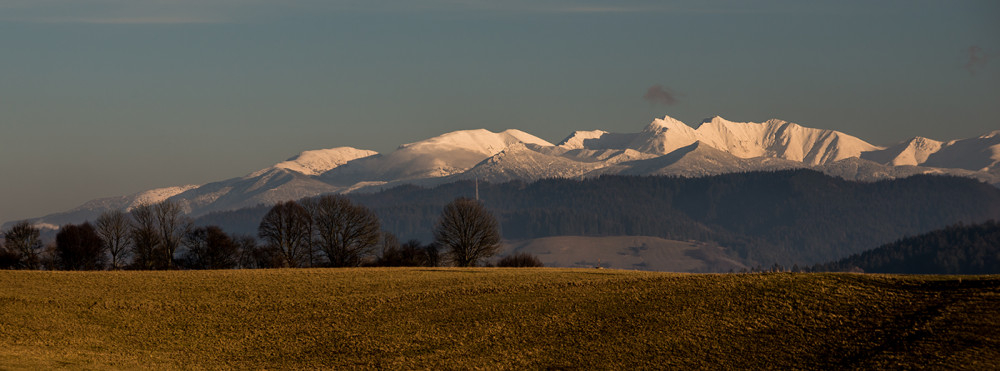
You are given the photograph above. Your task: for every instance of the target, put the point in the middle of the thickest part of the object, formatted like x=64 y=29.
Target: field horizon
x=494 y=318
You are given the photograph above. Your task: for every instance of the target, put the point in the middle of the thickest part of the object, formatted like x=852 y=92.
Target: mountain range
x=664 y=147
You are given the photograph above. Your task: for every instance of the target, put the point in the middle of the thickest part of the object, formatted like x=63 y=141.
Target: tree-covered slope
x=796 y=216
x=957 y=249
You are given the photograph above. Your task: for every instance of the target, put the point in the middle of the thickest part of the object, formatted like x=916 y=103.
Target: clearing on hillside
x=645 y=253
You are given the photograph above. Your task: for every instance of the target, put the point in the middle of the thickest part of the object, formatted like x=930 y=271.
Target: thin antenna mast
x=477 y=188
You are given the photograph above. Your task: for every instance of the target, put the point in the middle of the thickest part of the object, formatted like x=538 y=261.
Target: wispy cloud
x=657 y=94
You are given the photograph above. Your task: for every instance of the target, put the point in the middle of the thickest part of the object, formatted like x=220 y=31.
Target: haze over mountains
x=664 y=147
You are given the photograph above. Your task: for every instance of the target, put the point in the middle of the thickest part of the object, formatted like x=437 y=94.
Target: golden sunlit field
x=494 y=318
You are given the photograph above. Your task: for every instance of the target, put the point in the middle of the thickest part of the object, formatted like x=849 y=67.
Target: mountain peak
x=577 y=139
x=477 y=140
x=664 y=146
x=992 y=134
x=717 y=120
x=319 y=161
x=667 y=123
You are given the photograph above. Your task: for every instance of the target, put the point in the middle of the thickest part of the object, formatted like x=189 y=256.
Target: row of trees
x=326 y=231
x=333 y=231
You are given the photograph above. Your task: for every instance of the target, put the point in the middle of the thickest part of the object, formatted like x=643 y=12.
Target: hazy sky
x=110 y=97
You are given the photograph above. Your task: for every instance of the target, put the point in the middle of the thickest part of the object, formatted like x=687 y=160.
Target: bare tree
x=311 y=205
x=8 y=259
x=210 y=248
x=468 y=232
x=24 y=240
x=113 y=227
x=410 y=254
x=346 y=232
x=248 y=252
x=144 y=236
x=388 y=243
x=173 y=226
x=285 y=228
x=520 y=260
x=78 y=247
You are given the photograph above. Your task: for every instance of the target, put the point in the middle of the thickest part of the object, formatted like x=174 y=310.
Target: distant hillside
x=626 y=252
x=958 y=249
x=788 y=217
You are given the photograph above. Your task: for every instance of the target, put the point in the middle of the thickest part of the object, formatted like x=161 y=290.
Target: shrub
x=520 y=260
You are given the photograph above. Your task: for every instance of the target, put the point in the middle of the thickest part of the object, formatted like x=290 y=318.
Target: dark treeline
x=789 y=217
x=957 y=249
x=328 y=231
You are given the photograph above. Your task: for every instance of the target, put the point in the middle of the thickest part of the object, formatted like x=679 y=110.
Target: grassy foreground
x=494 y=318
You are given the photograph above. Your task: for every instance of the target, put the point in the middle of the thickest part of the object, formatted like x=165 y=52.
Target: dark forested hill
x=958 y=249
x=796 y=216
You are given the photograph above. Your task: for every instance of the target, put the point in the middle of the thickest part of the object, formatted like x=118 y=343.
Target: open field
x=494 y=318
x=626 y=252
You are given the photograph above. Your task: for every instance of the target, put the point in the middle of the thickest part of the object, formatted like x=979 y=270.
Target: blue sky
x=104 y=98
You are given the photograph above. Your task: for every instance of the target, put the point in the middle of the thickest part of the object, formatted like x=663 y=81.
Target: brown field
x=494 y=318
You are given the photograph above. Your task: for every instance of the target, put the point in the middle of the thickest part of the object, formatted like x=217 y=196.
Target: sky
x=103 y=98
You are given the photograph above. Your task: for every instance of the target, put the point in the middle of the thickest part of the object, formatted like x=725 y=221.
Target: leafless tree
x=144 y=236
x=173 y=225
x=410 y=254
x=248 y=252
x=285 y=228
x=79 y=247
x=346 y=232
x=210 y=248
x=8 y=259
x=468 y=232
x=311 y=205
x=113 y=227
x=23 y=239
x=520 y=260
x=387 y=243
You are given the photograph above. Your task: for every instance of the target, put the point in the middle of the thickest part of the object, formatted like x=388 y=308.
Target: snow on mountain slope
x=518 y=162
x=664 y=147
x=663 y=136
x=263 y=187
x=320 y=161
x=93 y=208
x=977 y=154
x=126 y=203
x=912 y=152
x=697 y=159
x=781 y=139
x=606 y=156
x=863 y=170
x=479 y=141
x=441 y=156
x=577 y=139
x=597 y=140
x=774 y=138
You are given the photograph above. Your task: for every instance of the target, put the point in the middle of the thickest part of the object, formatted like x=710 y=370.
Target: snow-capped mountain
x=437 y=157
x=93 y=208
x=664 y=147
x=977 y=154
x=774 y=138
x=322 y=160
